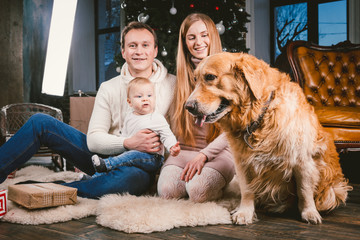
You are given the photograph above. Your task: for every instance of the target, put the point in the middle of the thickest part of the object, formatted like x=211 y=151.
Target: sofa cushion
x=348 y=117
x=344 y=134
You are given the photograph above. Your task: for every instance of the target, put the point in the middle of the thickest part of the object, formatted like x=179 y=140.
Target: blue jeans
x=145 y=161
x=42 y=129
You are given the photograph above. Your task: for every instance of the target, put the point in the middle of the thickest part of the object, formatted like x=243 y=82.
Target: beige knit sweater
x=110 y=108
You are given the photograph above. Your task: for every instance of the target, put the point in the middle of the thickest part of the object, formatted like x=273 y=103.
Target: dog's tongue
x=199 y=120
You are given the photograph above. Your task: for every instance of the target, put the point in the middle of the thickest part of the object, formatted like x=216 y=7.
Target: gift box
x=3 y=202
x=12 y=175
x=42 y=195
x=80 y=112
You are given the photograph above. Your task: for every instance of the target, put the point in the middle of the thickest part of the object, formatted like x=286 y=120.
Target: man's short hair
x=137 y=25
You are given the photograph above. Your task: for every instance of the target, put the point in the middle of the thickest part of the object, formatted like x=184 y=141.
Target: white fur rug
x=125 y=212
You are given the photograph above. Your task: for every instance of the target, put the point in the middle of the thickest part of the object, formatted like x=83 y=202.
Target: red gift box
x=11 y=175
x=3 y=202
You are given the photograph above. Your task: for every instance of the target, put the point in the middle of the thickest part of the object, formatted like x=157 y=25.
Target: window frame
x=312 y=16
x=98 y=32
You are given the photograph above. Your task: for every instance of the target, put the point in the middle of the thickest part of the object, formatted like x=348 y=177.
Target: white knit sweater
x=110 y=108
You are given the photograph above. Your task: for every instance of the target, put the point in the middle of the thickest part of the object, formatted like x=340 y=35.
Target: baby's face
x=142 y=99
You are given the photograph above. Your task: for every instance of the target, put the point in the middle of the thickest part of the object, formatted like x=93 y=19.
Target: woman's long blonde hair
x=181 y=121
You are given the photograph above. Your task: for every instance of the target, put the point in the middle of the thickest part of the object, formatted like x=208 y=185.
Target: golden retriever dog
x=282 y=155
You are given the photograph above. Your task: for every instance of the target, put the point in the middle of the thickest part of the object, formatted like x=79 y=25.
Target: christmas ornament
x=173 y=10
x=130 y=17
x=220 y=27
x=235 y=21
x=143 y=18
x=229 y=16
x=164 y=52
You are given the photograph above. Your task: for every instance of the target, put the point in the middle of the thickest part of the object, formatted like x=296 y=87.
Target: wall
x=258 y=37
x=354 y=21
x=11 y=58
x=82 y=67
x=37 y=18
x=22 y=82
x=24 y=30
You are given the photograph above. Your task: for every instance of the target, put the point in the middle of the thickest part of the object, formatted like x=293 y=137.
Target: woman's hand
x=144 y=140
x=194 y=165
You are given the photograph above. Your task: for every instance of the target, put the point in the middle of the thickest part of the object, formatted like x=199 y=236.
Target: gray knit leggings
x=207 y=186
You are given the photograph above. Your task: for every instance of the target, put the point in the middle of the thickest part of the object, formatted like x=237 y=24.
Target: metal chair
x=14 y=116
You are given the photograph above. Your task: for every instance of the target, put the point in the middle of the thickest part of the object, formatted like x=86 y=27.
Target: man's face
x=139 y=52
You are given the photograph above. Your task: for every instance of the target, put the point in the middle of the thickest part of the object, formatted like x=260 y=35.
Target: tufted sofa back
x=330 y=76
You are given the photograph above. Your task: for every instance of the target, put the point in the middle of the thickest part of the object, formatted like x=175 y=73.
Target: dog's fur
x=289 y=158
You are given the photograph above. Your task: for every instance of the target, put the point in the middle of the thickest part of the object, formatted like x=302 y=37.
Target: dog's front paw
x=243 y=216
x=311 y=216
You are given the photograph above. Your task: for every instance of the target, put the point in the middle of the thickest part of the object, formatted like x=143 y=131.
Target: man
x=139 y=49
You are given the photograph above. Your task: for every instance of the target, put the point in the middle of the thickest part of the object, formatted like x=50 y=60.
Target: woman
x=204 y=165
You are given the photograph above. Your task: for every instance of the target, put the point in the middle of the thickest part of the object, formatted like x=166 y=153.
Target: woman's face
x=197 y=40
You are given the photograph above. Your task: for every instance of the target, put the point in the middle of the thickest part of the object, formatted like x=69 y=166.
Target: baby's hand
x=175 y=150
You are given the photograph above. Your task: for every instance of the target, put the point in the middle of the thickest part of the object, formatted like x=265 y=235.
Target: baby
x=141 y=98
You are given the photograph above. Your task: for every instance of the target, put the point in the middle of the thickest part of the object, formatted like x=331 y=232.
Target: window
x=290 y=24
x=108 y=38
x=332 y=29
x=320 y=21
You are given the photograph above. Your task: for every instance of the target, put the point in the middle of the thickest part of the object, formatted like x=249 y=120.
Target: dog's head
x=225 y=82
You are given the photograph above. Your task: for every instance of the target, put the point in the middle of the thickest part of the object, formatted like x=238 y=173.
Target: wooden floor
x=342 y=223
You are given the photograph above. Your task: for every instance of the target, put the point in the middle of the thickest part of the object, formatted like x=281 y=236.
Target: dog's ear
x=253 y=78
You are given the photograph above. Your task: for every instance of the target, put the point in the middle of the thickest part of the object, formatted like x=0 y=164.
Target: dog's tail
x=333 y=188
x=332 y=196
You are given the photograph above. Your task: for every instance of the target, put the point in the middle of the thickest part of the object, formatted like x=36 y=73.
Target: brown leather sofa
x=330 y=78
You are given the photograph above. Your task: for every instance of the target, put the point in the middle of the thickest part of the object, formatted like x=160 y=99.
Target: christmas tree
x=166 y=16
